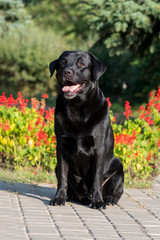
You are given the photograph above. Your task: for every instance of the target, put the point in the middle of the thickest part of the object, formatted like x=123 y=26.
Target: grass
x=28 y=176
x=37 y=176
x=138 y=184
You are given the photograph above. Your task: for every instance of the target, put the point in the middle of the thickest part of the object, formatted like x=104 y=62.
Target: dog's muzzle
x=69 y=88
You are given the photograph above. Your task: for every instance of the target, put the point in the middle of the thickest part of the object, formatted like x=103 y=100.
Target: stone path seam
x=142 y=205
x=137 y=222
x=82 y=221
x=116 y=230
x=23 y=217
x=54 y=222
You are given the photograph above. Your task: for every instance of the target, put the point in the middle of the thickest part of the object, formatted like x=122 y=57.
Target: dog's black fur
x=87 y=170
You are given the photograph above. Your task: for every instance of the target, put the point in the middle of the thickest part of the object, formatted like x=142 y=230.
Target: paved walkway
x=25 y=214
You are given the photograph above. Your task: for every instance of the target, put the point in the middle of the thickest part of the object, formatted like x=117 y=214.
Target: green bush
x=24 y=60
x=13 y=16
x=125 y=25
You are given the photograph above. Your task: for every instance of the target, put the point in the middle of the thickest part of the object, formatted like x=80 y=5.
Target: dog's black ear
x=52 y=67
x=98 y=68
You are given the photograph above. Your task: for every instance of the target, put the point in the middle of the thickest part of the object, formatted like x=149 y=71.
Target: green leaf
x=22 y=141
x=118 y=26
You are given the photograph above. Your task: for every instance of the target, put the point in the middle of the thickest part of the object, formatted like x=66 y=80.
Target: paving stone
x=45 y=237
x=78 y=238
x=42 y=229
x=25 y=214
x=108 y=238
x=82 y=235
x=136 y=235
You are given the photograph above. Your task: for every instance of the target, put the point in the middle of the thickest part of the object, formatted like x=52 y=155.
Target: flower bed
x=27 y=135
x=137 y=141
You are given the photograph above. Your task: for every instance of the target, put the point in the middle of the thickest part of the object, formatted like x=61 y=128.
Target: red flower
x=35 y=103
x=151 y=94
x=150 y=104
x=150 y=154
x=158 y=92
x=11 y=101
x=6 y=125
x=136 y=154
x=54 y=139
x=3 y=99
x=20 y=95
x=141 y=108
x=30 y=128
x=45 y=96
x=39 y=120
x=114 y=119
x=142 y=116
x=109 y=103
x=157 y=106
x=149 y=120
x=50 y=114
x=41 y=111
x=128 y=111
x=126 y=139
x=41 y=137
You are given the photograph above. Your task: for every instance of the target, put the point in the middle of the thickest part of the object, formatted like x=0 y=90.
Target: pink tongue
x=70 y=88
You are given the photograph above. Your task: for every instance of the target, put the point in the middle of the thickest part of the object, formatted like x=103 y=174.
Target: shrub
x=13 y=16
x=24 y=60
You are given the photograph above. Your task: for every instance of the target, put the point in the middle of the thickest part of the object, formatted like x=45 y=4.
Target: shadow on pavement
x=43 y=192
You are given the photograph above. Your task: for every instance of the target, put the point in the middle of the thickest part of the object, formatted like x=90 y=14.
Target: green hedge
x=24 y=59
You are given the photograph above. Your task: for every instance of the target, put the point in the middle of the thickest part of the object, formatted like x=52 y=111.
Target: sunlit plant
x=137 y=141
x=27 y=137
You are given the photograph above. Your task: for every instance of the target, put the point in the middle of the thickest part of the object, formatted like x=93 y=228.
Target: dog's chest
x=78 y=152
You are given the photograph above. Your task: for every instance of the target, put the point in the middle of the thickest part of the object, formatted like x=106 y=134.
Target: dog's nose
x=68 y=72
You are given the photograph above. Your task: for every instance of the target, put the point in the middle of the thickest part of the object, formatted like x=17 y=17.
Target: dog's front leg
x=97 y=199
x=62 y=175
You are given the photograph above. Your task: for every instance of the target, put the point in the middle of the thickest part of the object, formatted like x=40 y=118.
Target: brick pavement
x=25 y=214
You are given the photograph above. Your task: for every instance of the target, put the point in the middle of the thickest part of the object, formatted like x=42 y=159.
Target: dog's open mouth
x=71 y=88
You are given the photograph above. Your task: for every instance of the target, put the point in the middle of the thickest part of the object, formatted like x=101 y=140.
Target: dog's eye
x=63 y=63
x=80 y=64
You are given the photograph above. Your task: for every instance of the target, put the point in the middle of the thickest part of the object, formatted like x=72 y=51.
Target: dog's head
x=77 y=72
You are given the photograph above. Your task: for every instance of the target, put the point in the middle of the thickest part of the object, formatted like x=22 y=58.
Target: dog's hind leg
x=112 y=188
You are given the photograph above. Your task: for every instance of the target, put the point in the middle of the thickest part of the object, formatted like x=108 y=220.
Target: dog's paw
x=111 y=200
x=86 y=200
x=97 y=201
x=98 y=204
x=58 y=201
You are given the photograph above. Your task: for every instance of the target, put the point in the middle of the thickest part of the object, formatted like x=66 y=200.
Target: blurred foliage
x=24 y=59
x=13 y=15
x=125 y=25
x=61 y=16
x=130 y=30
x=26 y=51
x=127 y=76
x=124 y=35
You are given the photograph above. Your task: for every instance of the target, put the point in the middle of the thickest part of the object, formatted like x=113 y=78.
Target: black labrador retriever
x=87 y=170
